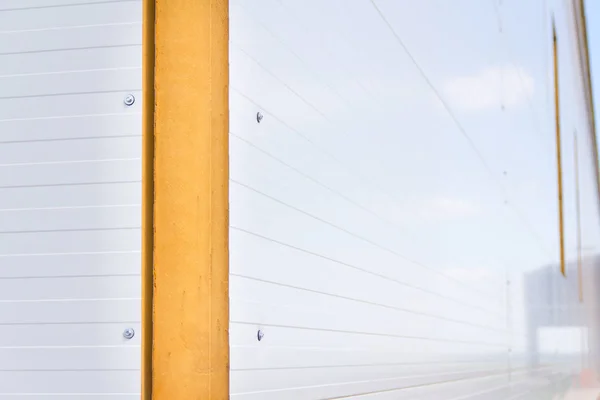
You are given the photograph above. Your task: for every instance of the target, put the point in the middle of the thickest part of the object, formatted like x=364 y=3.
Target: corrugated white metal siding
x=69 y=199
x=394 y=213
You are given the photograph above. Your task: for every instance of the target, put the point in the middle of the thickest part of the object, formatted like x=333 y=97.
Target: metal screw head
x=129 y=100
x=128 y=333
x=260 y=335
x=259 y=117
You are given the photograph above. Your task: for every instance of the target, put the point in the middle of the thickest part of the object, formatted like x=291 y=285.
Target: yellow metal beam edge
x=187 y=272
x=561 y=223
x=147 y=193
x=584 y=54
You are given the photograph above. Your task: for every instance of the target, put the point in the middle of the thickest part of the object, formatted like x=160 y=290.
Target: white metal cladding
x=394 y=214
x=70 y=195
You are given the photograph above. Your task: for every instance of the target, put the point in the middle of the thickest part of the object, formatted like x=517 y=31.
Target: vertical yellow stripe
x=584 y=57
x=147 y=193
x=558 y=154
x=190 y=299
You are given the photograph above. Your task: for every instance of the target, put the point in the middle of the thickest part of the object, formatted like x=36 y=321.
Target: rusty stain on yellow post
x=190 y=303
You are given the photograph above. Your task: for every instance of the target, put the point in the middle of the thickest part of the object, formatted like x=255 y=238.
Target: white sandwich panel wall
x=393 y=194
x=70 y=194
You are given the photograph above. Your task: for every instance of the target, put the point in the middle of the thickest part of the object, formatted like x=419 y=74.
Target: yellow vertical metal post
x=558 y=153
x=587 y=80
x=188 y=265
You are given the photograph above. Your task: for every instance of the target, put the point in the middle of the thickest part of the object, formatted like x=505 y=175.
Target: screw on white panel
x=129 y=100
x=259 y=117
x=260 y=335
x=128 y=333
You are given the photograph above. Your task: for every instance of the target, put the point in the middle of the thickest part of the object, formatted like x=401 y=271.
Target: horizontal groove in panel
x=295 y=322
x=71 y=396
x=71 y=150
x=398 y=352
x=457 y=389
x=422 y=343
x=74 y=128
x=278 y=210
x=71 y=60
x=76 y=38
x=390 y=291
x=99 y=358
x=8 y=5
x=101 y=334
x=298 y=268
x=286 y=186
x=106 y=287
x=114 y=217
x=255 y=358
x=92 y=172
x=451 y=386
x=73 y=385
x=289 y=296
x=258 y=380
x=94 y=13
x=253 y=295
x=393 y=350
x=424 y=312
x=52 y=230
x=71 y=83
x=73 y=265
x=71 y=242
x=360 y=386
x=70 y=312
x=475 y=365
x=351 y=317
x=65 y=195
x=68 y=105
x=68 y=139
x=352 y=240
